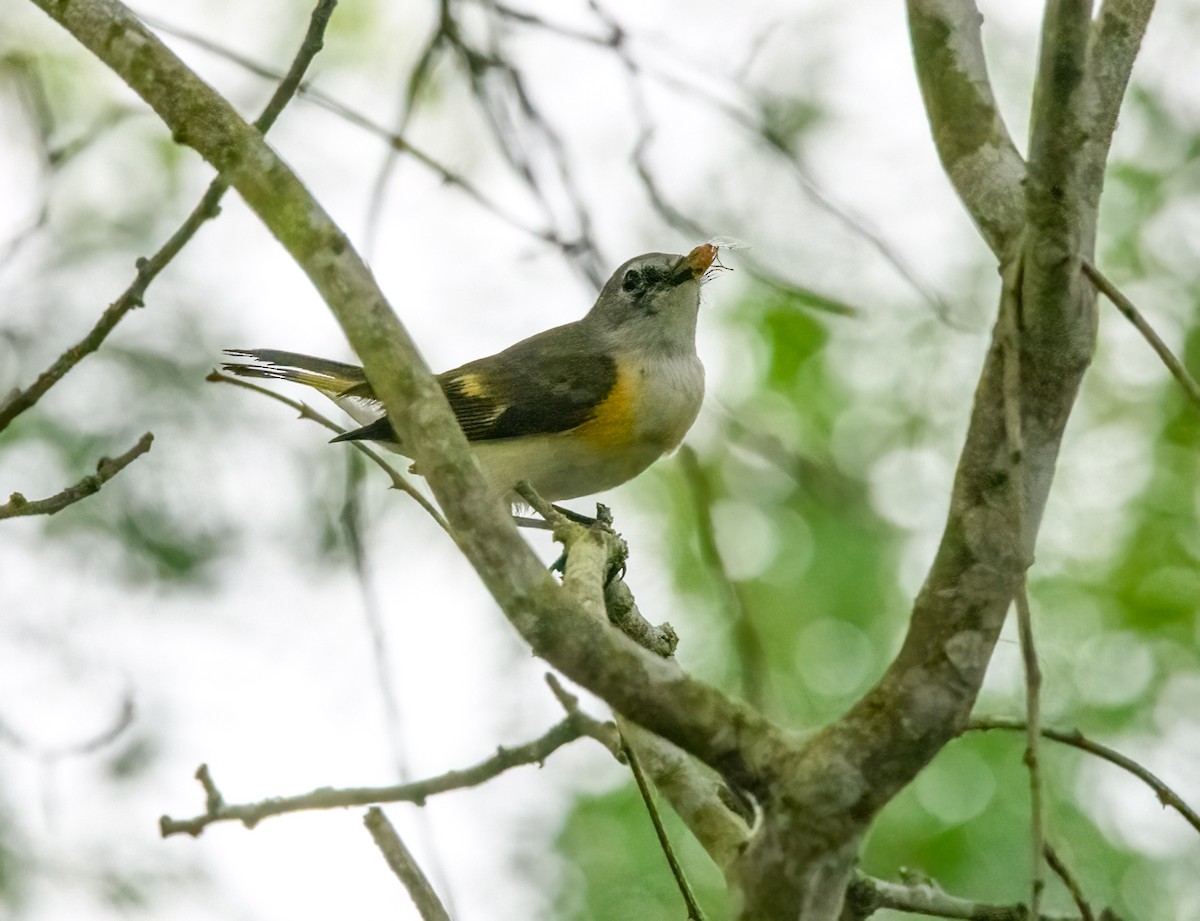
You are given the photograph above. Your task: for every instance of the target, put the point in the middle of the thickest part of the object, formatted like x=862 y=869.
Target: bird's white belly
x=660 y=401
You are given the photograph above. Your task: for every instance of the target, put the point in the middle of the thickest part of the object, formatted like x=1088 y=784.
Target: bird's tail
x=333 y=378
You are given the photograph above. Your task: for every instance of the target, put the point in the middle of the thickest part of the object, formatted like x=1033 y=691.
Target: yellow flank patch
x=472 y=386
x=611 y=426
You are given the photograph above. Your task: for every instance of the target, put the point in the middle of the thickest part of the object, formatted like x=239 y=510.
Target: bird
x=574 y=410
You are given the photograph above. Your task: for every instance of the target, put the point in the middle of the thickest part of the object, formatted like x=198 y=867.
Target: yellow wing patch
x=611 y=426
x=472 y=386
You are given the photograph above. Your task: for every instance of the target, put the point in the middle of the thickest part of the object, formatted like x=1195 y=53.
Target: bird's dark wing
x=548 y=383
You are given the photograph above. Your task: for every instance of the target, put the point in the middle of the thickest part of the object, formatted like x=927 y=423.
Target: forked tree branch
x=850 y=769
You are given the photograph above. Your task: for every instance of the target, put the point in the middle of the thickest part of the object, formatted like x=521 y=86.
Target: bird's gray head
x=650 y=303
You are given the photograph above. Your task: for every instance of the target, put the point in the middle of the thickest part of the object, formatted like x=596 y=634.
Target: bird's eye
x=632 y=281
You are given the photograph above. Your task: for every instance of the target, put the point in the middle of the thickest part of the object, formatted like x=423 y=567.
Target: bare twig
x=693 y=228
x=693 y=907
x=307 y=412
x=867 y=895
x=417 y=78
x=751 y=651
x=352 y=524
x=404 y=866
x=359 y=120
x=1134 y=316
x=746 y=119
x=148 y=269
x=385 y=679
x=18 y=506
x=1010 y=325
x=1076 y=739
x=1068 y=880
x=1033 y=724
x=576 y=725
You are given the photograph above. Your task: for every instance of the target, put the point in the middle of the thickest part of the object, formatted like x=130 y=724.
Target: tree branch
x=149 y=269
x=1134 y=316
x=1063 y=873
x=576 y=725
x=1076 y=739
x=751 y=651
x=695 y=913
x=405 y=866
x=1116 y=37
x=106 y=469
x=706 y=806
x=1061 y=194
x=972 y=140
x=867 y=895
x=1033 y=719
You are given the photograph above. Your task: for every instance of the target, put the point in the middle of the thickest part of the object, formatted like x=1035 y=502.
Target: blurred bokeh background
x=209 y=604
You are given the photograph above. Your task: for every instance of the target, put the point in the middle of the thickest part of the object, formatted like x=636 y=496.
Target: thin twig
x=1134 y=316
x=18 y=506
x=751 y=651
x=1010 y=323
x=352 y=524
x=617 y=38
x=417 y=78
x=354 y=117
x=1033 y=726
x=694 y=911
x=1068 y=880
x=575 y=726
x=385 y=679
x=1076 y=739
x=404 y=866
x=867 y=895
x=307 y=412
x=148 y=269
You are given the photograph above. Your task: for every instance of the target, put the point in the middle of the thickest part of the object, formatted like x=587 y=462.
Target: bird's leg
x=574 y=516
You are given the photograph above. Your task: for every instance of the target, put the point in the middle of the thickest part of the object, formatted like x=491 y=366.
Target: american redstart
x=574 y=410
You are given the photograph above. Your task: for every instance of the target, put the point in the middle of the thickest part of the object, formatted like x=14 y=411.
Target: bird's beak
x=694 y=264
